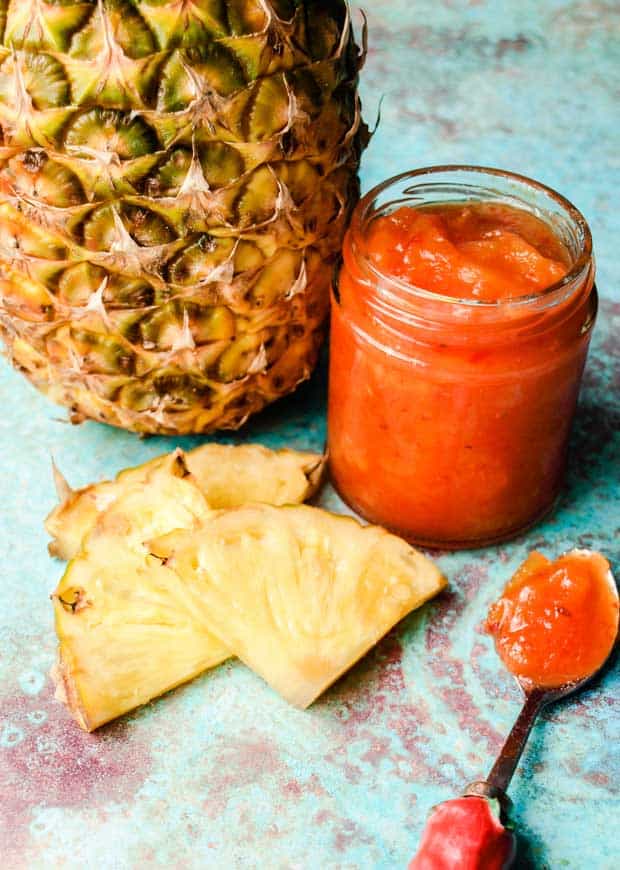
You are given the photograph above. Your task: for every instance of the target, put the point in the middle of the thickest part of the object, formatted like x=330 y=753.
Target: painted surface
x=222 y=773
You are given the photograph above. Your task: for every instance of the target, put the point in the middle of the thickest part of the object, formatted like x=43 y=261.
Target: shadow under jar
x=449 y=418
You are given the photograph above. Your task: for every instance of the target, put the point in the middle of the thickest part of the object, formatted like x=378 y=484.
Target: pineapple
x=227 y=477
x=175 y=181
x=129 y=629
x=296 y=593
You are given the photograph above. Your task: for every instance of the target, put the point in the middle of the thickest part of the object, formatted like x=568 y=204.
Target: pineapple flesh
x=129 y=629
x=296 y=593
x=175 y=181
x=227 y=476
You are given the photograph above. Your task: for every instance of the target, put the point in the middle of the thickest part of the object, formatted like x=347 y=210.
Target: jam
x=556 y=622
x=471 y=251
x=460 y=327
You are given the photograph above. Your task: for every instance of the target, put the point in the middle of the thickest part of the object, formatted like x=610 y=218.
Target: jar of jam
x=460 y=326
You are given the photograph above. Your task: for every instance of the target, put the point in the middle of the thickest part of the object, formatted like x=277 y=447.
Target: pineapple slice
x=167 y=498
x=229 y=476
x=129 y=628
x=297 y=593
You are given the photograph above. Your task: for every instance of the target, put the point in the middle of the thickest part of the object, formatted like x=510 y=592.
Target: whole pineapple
x=175 y=180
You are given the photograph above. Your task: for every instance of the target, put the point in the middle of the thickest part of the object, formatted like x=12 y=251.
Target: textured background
x=222 y=773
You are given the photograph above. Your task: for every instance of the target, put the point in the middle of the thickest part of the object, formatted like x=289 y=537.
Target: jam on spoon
x=556 y=622
x=554 y=628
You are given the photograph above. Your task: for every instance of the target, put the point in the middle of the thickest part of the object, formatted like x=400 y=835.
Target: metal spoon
x=495 y=786
x=536 y=698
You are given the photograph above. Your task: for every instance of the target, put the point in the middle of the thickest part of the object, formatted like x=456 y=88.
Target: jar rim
x=551 y=295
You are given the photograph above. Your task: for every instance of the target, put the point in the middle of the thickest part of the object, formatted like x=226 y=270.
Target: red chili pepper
x=465 y=834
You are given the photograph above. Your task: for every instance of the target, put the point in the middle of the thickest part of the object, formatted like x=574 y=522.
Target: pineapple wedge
x=297 y=593
x=229 y=476
x=129 y=628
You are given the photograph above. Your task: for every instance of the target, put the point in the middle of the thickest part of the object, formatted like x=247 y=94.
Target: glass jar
x=449 y=419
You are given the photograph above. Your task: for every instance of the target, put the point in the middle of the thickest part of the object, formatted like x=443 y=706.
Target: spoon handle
x=506 y=764
x=469 y=831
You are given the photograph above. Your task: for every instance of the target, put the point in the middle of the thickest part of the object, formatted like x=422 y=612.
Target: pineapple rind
x=296 y=593
x=172 y=152
x=227 y=476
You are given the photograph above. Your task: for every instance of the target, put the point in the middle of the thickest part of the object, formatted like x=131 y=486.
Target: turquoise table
x=222 y=773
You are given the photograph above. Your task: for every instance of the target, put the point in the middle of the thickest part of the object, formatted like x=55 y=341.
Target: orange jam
x=460 y=328
x=475 y=250
x=556 y=622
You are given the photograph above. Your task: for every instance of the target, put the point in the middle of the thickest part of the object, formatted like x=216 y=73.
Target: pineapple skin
x=175 y=182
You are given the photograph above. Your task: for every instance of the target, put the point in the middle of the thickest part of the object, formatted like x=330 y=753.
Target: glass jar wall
x=449 y=418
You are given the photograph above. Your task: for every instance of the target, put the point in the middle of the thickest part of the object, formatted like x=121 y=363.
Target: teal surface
x=222 y=773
